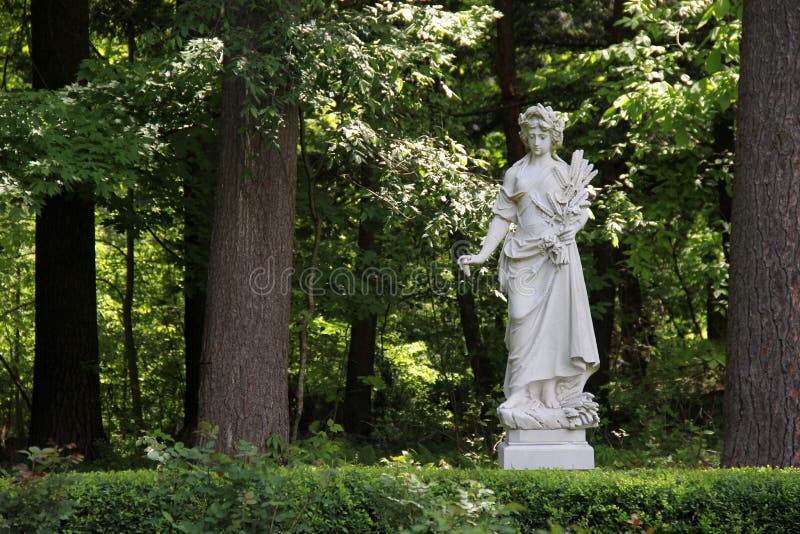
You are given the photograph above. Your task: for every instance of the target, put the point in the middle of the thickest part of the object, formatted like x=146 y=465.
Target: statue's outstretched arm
x=494 y=236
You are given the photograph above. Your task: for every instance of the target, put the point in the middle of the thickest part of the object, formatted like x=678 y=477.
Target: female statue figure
x=549 y=337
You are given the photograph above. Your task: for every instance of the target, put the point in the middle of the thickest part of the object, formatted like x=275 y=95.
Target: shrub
x=249 y=496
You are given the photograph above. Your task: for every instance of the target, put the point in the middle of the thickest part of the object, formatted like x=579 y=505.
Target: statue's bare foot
x=549 y=397
x=517 y=399
x=552 y=403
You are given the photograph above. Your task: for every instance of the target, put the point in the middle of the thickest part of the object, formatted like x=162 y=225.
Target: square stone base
x=546 y=449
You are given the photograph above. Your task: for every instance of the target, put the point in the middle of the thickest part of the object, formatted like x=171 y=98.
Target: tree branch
x=16 y=381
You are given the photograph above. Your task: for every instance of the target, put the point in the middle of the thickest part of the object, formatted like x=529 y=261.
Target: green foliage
x=657 y=110
x=35 y=494
x=400 y=119
x=249 y=491
x=671 y=416
x=16 y=320
x=405 y=497
x=62 y=139
x=52 y=459
x=102 y=134
x=375 y=97
x=14 y=39
x=157 y=317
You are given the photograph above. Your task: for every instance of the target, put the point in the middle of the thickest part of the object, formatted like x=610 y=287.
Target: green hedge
x=372 y=499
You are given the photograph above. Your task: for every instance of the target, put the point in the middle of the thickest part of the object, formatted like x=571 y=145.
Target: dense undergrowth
x=250 y=498
x=315 y=489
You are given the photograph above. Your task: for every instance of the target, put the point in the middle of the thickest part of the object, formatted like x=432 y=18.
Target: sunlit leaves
x=663 y=89
x=368 y=80
x=374 y=57
x=105 y=132
x=62 y=139
x=659 y=105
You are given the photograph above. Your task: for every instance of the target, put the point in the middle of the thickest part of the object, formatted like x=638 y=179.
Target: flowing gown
x=550 y=333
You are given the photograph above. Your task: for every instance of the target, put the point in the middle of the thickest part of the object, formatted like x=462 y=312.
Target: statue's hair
x=546 y=119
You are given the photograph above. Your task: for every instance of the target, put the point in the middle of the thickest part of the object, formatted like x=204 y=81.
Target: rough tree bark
x=243 y=373
x=66 y=383
x=762 y=395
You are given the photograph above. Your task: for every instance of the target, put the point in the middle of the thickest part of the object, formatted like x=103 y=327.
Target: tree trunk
x=604 y=264
x=507 y=74
x=198 y=188
x=66 y=384
x=614 y=31
x=607 y=266
x=20 y=412
x=477 y=351
x=635 y=329
x=244 y=369
x=762 y=403
x=724 y=143
x=194 y=309
x=357 y=409
x=131 y=358
x=308 y=286
x=198 y=207
x=59 y=41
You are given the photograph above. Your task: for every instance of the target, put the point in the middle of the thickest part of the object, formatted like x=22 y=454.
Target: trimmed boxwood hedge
x=385 y=499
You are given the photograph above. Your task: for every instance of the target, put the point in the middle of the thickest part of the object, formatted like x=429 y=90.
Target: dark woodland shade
x=59 y=41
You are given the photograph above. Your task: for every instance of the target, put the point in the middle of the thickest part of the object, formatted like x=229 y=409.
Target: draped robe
x=550 y=333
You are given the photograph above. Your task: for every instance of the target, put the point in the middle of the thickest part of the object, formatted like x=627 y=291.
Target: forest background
x=406 y=115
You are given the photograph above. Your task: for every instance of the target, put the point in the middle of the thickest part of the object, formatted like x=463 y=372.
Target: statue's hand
x=468 y=259
x=567 y=236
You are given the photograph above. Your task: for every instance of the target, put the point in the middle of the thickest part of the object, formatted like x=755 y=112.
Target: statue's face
x=539 y=141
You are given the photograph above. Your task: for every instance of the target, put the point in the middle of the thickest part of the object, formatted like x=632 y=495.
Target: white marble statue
x=549 y=337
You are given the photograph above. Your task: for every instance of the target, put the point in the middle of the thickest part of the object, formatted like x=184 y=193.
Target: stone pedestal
x=546 y=449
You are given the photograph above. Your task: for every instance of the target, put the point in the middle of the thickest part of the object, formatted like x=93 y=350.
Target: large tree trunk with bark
x=243 y=373
x=762 y=395
x=66 y=383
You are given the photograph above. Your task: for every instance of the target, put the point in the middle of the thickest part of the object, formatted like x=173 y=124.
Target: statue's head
x=544 y=119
